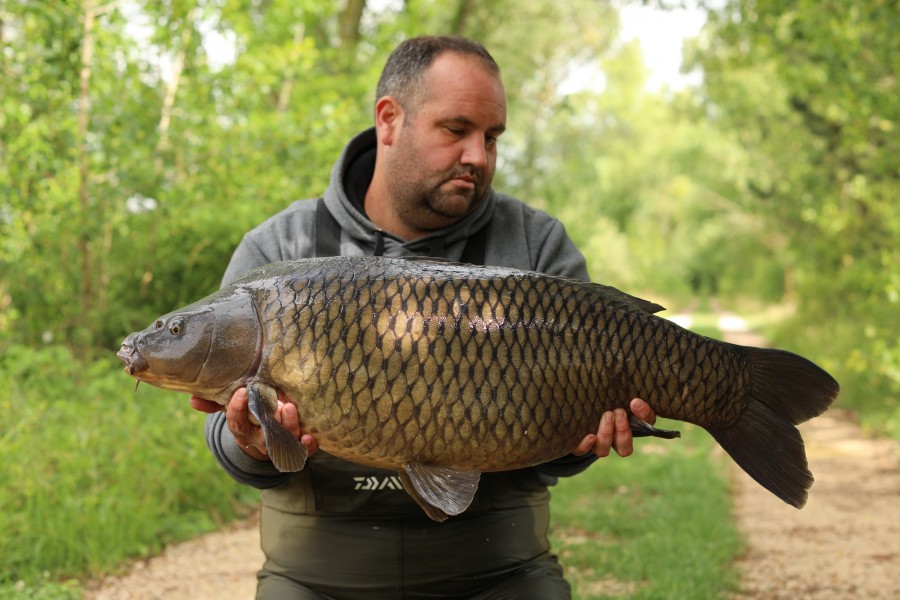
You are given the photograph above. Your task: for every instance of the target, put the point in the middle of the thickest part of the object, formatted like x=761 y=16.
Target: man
x=419 y=183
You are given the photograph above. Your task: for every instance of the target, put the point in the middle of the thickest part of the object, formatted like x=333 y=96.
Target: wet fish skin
x=443 y=371
x=452 y=375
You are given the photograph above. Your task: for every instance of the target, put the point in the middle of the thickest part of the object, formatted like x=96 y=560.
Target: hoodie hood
x=358 y=161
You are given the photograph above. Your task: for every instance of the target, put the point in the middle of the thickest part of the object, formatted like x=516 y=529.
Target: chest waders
x=339 y=530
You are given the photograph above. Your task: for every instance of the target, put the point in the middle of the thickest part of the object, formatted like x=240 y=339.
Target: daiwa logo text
x=390 y=482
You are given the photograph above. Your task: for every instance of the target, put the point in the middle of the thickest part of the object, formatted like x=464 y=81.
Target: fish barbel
x=443 y=371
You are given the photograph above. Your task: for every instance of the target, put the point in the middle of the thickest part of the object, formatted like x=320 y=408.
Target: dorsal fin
x=617 y=295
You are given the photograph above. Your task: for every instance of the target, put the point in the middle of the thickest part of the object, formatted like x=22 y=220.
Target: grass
x=93 y=475
x=655 y=525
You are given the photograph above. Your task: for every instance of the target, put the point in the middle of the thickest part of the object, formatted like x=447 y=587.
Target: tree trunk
x=84 y=249
x=165 y=116
x=464 y=9
x=88 y=275
x=284 y=96
x=350 y=20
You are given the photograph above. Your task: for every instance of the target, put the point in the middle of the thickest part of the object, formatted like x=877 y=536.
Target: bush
x=92 y=474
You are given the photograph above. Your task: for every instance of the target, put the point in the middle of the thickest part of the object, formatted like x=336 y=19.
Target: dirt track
x=844 y=544
x=220 y=565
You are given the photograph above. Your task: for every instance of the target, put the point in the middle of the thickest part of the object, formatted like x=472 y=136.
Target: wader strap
x=473 y=253
x=328 y=232
x=328 y=239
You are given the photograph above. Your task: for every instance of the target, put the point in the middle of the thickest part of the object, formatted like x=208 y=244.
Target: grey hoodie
x=518 y=236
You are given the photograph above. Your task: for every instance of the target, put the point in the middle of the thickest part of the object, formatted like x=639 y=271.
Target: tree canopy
x=140 y=140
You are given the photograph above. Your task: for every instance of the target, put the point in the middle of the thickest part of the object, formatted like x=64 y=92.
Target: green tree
x=137 y=146
x=810 y=90
x=62 y=100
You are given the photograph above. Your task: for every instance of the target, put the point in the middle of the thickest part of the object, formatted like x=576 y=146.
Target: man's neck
x=379 y=211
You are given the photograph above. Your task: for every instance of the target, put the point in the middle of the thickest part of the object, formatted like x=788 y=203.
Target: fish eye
x=176 y=327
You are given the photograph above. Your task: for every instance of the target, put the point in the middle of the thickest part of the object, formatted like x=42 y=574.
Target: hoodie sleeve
x=558 y=255
x=523 y=237
x=287 y=235
x=235 y=462
x=221 y=442
x=248 y=255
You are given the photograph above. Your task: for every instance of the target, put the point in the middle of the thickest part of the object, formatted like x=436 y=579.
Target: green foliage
x=809 y=89
x=100 y=233
x=92 y=473
x=653 y=526
x=46 y=589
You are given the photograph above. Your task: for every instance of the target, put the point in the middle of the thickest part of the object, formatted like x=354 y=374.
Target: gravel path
x=220 y=565
x=844 y=544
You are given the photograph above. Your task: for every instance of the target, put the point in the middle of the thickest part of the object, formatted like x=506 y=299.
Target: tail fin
x=786 y=389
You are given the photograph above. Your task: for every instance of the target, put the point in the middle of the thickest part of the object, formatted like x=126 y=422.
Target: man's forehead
x=451 y=70
x=461 y=88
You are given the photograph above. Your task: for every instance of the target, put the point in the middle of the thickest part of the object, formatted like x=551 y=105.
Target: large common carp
x=443 y=371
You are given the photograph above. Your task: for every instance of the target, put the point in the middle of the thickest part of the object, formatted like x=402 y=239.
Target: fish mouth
x=133 y=359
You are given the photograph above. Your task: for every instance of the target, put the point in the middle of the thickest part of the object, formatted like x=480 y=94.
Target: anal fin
x=286 y=452
x=440 y=491
x=643 y=429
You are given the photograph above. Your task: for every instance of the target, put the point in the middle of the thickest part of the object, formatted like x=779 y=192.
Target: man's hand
x=248 y=436
x=615 y=432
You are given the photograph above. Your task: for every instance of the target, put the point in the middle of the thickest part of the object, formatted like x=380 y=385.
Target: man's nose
x=475 y=151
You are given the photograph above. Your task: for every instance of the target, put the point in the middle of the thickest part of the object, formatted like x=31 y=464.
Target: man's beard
x=439 y=198
x=431 y=205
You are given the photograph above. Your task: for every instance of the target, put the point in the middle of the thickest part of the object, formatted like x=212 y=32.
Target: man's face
x=442 y=159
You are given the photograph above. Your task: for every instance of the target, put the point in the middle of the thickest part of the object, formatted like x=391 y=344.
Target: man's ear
x=388 y=119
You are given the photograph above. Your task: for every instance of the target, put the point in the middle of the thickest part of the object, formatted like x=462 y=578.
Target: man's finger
x=622 y=441
x=310 y=442
x=290 y=419
x=586 y=444
x=245 y=433
x=642 y=411
x=605 y=435
x=205 y=406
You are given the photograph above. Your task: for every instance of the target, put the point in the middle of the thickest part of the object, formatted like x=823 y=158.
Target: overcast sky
x=661 y=34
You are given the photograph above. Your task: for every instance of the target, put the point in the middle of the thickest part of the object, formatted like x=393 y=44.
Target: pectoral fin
x=287 y=453
x=441 y=492
x=642 y=429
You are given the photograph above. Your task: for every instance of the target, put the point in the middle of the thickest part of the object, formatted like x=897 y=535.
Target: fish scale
x=473 y=315
x=443 y=371
x=406 y=333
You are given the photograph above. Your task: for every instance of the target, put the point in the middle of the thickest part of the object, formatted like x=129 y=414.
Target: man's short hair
x=405 y=67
